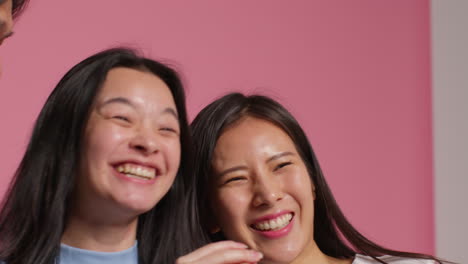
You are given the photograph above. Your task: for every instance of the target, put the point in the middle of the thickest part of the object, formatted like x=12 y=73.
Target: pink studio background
x=355 y=73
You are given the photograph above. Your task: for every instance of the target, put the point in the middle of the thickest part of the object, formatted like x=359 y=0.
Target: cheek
x=97 y=152
x=102 y=140
x=230 y=205
x=299 y=185
x=173 y=153
x=99 y=147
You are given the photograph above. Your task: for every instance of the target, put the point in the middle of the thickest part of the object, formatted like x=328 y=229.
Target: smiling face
x=131 y=149
x=262 y=194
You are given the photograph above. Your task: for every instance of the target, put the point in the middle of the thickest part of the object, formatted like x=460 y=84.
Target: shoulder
x=361 y=259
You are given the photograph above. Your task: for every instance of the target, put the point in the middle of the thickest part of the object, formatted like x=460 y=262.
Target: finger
x=231 y=256
x=212 y=248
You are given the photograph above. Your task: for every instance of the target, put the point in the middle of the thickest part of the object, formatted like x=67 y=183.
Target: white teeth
x=133 y=170
x=274 y=224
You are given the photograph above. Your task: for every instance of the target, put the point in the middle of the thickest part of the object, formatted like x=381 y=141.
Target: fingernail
x=257 y=254
x=241 y=245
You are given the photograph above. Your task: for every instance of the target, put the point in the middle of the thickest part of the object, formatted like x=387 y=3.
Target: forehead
x=138 y=85
x=252 y=138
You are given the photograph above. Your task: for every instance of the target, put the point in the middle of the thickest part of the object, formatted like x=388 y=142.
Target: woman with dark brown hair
x=104 y=174
x=258 y=182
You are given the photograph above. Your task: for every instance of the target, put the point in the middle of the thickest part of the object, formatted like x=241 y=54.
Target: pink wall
x=355 y=73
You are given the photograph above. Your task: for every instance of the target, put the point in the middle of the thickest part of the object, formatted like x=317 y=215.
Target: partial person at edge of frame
x=105 y=170
x=259 y=183
x=9 y=10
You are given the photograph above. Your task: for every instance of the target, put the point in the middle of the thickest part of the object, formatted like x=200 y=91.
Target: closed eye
x=123 y=118
x=234 y=179
x=282 y=165
x=170 y=129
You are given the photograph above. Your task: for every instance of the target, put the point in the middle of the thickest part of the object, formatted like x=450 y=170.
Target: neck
x=322 y=259
x=103 y=236
x=312 y=254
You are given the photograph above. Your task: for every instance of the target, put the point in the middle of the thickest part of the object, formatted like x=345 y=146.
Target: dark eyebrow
x=279 y=155
x=233 y=169
x=120 y=100
x=171 y=111
x=123 y=100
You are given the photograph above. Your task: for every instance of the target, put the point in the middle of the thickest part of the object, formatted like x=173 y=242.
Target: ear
x=215 y=230
x=212 y=225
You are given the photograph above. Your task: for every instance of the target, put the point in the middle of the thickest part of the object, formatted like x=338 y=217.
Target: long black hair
x=18 y=7
x=36 y=205
x=332 y=230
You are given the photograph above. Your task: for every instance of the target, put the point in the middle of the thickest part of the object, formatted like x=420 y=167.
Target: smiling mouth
x=274 y=224
x=137 y=171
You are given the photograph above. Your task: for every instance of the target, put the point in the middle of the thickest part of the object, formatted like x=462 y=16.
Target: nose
x=145 y=141
x=267 y=191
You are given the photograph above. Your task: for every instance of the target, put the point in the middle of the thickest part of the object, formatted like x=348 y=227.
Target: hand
x=224 y=252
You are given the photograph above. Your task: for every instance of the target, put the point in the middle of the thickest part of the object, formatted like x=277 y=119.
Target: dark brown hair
x=333 y=233
x=35 y=209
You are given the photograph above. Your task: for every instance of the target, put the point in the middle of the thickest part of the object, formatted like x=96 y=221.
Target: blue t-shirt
x=73 y=255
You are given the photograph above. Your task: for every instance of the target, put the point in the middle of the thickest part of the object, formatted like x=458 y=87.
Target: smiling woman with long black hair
x=104 y=172
x=258 y=182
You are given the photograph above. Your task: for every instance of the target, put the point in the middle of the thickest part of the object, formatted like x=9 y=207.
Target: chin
x=137 y=207
x=280 y=255
x=277 y=259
